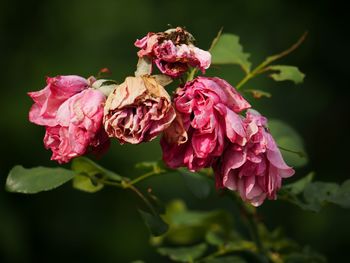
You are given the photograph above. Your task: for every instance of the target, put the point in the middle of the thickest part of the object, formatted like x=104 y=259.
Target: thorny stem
x=263 y=66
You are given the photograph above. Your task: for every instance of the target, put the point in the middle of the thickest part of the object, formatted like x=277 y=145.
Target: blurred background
x=46 y=38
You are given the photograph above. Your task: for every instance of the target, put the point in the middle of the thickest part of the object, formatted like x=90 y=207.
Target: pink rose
x=173 y=52
x=138 y=110
x=72 y=115
x=48 y=100
x=207 y=108
x=79 y=127
x=256 y=169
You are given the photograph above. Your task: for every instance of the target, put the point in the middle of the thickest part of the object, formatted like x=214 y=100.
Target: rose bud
x=256 y=169
x=208 y=109
x=173 y=52
x=138 y=110
x=72 y=114
x=48 y=100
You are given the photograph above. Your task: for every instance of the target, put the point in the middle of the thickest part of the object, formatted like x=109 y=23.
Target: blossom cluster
x=205 y=123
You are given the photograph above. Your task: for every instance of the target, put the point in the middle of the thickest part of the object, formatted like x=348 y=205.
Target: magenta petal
x=256 y=168
x=48 y=100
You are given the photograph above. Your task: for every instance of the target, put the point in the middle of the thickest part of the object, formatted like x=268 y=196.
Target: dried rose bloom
x=173 y=52
x=138 y=110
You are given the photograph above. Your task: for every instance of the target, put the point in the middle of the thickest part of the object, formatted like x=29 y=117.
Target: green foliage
x=85 y=166
x=229 y=259
x=313 y=196
x=188 y=227
x=305 y=255
x=299 y=186
x=284 y=72
x=228 y=50
x=290 y=143
x=183 y=254
x=197 y=183
x=276 y=240
x=37 y=179
x=342 y=196
x=84 y=183
x=194 y=235
x=154 y=222
x=216 y=236
x=316 y=195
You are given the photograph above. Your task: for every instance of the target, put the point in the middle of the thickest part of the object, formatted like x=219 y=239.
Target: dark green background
x=47 y=38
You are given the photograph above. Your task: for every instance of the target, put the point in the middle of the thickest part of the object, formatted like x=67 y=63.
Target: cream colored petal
x=155 y=89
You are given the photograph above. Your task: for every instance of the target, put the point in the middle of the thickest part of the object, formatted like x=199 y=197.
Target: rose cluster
x=206 y=123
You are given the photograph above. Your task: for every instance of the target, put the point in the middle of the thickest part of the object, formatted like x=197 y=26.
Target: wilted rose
x=138 y=110
x=79 y=127
x=48 y=100
x=72 y=114
x=173 y=51
x=256 y=169
x=208 y=117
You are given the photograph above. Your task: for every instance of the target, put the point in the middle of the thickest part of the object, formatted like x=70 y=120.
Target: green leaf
x=198 y=184
x=85 y=184
x=287 y=73
x=317 y=193
x=216 y=236
x=228 y=259
x=241 y=245
x=305 y=255
x=228 y=50
x=188 y=227
x=34 y=180
x=299 y=186
x=155 y=223
x=85 y=166
x=290 y=143
x=342 y=197
x=183 y=254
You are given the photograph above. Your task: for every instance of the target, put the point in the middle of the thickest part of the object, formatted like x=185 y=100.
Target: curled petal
x=255 y=169
x=138 y=110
